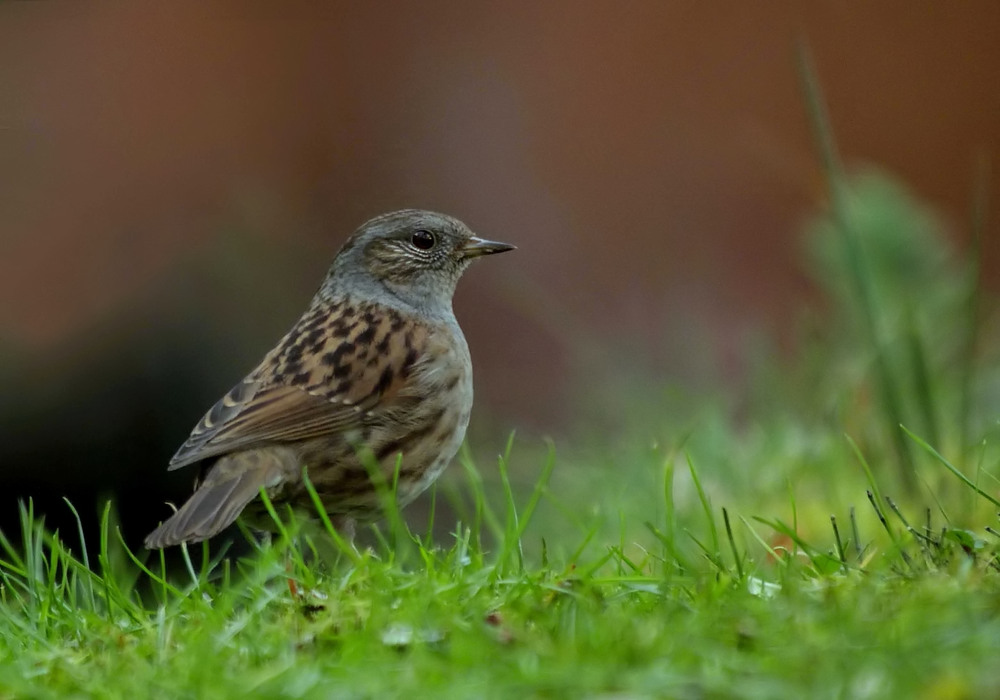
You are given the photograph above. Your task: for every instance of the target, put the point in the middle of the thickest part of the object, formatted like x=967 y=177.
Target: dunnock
x=377 y=367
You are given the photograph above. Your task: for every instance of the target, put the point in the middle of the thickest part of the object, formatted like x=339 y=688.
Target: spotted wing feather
x=338 y=364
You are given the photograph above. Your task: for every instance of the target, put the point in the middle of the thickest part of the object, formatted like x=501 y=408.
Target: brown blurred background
x=175 y=178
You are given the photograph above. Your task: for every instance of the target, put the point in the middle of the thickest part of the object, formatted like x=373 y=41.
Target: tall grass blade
x=951 y=467
x=980 y=216
x=861 y=278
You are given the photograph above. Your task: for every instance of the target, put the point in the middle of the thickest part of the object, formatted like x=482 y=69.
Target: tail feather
x=213 y=507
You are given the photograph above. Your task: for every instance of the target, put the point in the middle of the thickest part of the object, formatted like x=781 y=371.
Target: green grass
x=695 y=601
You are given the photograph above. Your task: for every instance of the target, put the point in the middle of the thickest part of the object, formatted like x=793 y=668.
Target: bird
x=376 y=373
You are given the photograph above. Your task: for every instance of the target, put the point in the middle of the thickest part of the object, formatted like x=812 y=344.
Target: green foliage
x=901 y=324
x=714 y=605
x=905 y=311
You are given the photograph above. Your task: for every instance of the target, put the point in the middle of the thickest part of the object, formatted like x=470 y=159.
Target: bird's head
x=417 y=256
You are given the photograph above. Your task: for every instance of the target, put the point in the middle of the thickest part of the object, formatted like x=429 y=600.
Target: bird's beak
x=477 y=247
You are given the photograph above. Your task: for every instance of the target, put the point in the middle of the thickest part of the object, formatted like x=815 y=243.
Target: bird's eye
x=423 y=240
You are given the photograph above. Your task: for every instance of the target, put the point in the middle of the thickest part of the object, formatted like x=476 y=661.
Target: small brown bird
x=377 y=367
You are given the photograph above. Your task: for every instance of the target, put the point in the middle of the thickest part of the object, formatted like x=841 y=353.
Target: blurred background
x=175 y=178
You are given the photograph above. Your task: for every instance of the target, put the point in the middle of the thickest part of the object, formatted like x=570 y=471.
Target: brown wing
x=337 y=365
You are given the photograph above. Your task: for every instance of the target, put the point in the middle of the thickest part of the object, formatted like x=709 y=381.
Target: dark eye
x=423 y=240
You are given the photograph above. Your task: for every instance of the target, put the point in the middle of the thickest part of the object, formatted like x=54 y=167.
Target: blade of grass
x=511 y=541
x=732 y=543
x=925 y=399
x=706 y=505
x=840 y=544
x=164 y=584
x=342 y=545
x=950 y=467
x=980 y=215
x=483 y=512
x=869 y=475
x=84 y=554
x=860 y=274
